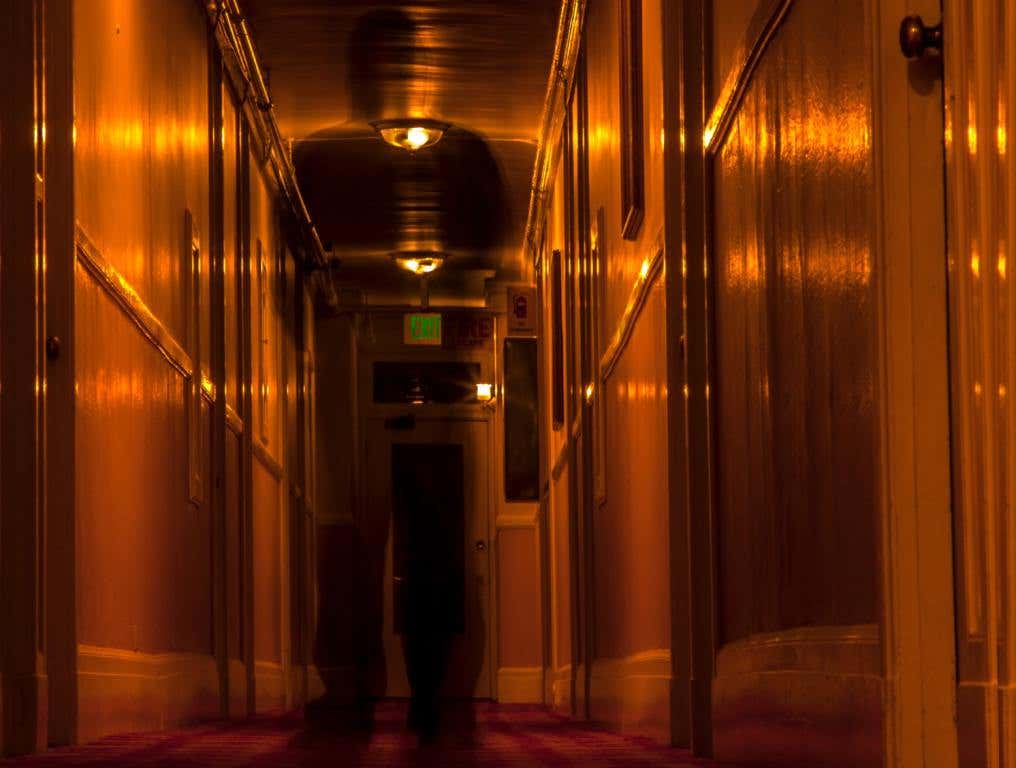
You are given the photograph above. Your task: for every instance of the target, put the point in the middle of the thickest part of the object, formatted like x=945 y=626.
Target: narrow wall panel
x=234 y=544
x=518 y=591
x=144 y=550
x=267 y=566
x=630 y=529
x=561 y=517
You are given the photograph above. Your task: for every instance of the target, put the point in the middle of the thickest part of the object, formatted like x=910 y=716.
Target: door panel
x=401 y=456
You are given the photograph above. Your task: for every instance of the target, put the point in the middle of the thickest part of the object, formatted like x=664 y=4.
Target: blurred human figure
x=428 y=557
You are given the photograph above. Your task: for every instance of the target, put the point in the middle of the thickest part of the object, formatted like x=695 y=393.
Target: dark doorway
x=428 y=516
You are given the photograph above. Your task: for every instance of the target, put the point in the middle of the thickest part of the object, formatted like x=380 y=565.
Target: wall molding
x=520 y=685
x=269 y=685
x=559 y=686
x=123 y=691
x=518 y=519
x=233 y=421
x=761 y=30
x=130 y=302
x=848 y=650
x=652 y=268
x=633 y=693
x=267 y=460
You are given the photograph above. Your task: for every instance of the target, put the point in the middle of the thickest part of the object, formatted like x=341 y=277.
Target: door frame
x=450 y=422
x=372 y=349
x=917 y=583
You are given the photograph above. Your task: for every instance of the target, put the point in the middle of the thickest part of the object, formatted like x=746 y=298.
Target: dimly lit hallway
x=612 y=359
x=506 y=737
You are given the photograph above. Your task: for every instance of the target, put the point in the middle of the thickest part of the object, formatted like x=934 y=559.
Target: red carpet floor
x=493 y=736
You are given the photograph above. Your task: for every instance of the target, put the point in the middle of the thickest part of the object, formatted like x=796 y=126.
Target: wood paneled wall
x=607 y=502
x=181 y=553
x=732 y=507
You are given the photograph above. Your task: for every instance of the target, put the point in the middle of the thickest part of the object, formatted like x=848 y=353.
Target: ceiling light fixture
x=410 y=133
x=419 y=263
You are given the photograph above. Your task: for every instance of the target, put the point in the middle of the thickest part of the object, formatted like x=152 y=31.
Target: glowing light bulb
x=484 y=392
x=419 y=262
x=416 y=137
x=410 y=134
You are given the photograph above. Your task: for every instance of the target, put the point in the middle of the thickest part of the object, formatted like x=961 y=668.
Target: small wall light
x=410 y=134
x=484 y=392
x=419 y=263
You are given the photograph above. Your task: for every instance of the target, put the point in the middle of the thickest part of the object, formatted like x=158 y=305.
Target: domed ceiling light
x=419 y=262
x=411 y=133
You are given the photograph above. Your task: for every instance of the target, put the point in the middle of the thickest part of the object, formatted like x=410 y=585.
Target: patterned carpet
x=485 y=736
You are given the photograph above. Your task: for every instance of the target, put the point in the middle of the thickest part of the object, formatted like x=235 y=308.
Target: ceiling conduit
x=242 y=65
x=562 y=75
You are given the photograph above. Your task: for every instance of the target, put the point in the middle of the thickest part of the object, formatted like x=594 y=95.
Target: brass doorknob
x=916 y=38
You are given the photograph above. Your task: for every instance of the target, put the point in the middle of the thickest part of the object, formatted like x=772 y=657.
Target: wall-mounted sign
x=468 y=331
x=422 y=329
x=521 y=310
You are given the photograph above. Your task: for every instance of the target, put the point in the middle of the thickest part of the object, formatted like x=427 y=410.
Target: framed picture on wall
x=633 y=185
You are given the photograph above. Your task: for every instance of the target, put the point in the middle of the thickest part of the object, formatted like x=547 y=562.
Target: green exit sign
x=422 y=328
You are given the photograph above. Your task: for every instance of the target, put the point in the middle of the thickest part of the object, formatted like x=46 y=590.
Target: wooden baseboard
x=122 y=691
x=269 y=686
x=633 y=693
x=297 y=686
x=560 y=689
x=809 y=696
x=237 y=672
x=974 y=705
x=520 y=685
x=23 y=713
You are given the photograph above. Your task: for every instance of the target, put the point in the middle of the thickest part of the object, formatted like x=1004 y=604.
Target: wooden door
x=407 y=456
x=826 y=376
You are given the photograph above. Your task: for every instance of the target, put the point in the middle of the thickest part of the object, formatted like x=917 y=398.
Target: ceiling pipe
x=240 y=58
x=555 y=106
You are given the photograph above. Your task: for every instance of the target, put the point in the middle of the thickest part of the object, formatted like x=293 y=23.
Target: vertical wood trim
x=633 y=171
x=698 y=341
x=61 y=559
x=22 y=407
x=217 y=360
x=909 y=265
x=587 y=374
x=677 y=417
x=243 y=191
x=557 y=382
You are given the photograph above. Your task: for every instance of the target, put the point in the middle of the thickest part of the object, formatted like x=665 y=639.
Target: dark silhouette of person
x=428 y=554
